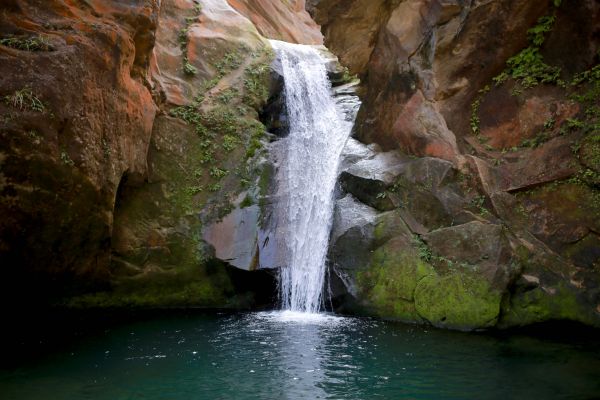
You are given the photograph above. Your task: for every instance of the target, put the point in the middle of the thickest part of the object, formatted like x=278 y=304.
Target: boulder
x=460 y=301
x=368 y=178
x=478 y=245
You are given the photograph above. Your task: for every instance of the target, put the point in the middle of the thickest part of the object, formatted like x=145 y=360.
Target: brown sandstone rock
x=281 y=20
x=62 y=162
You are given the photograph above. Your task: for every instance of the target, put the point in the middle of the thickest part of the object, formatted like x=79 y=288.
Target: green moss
x=540 y=305
x=265 y=179
x=179 y=288
x=257 y=132
x=347 y=77
x=387 y=285
x=227 y=95
x=459 y=300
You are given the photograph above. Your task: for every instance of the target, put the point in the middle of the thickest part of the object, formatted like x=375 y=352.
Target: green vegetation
x=479 y=203
x=541 y=138
x=427 y=255
x=528 y=67
x=347 y=77
x=247 y=202
x=186 y=286
x=589 y=84
x=587 y=149
x=188 y=68
x=224 y=123
x=227 y=95
x=230 y=61
x=194 y=190
x=256 y=84
x=230 y=143
x=64 y=157
x=389 y=282
x=458 y=300
x=256 y=78
x=257 y=132
x=36 y=43
x=475 y=121
x=218 y=173
x=425 y=252
x=25 y=99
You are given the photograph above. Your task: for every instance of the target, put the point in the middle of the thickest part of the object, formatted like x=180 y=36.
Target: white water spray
x=307 y=174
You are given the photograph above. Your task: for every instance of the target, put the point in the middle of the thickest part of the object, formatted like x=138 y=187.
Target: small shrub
x=24 y=99
x=528 y=67
x=37 y=43
x=64 y=157
x=188 y=68
x=218 y=173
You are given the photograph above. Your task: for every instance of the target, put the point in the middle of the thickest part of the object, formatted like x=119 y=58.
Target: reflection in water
x=299 y=356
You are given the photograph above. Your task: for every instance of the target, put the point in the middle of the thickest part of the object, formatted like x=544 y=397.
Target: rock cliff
x=491 y=219
x=134 y=166
x=76 y=116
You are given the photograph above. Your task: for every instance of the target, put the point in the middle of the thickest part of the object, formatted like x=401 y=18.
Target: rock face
x=197 y=208
x=488 y=227
x=281 y=20
x=76 y=115
x=134 y=166
x=109 y=179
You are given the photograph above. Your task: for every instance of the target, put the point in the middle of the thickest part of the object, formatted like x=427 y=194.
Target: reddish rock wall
x=77 y=115
x=281 y=20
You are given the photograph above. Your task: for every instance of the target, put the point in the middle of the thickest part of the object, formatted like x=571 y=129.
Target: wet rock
x=368 y=178
x=459 y=301
x=427 y=90
x=287 y=21
x=532 y=170
x=476 y=244
x=386 y=287
x=235 y=238
x=194 y=219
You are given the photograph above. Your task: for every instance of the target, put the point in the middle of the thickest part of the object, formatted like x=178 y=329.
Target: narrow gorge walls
x=134 y=162
x=501 y=113
x=76 y=115
x=126 y=129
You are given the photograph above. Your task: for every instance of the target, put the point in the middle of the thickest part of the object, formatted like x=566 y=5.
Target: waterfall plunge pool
x=286 y=355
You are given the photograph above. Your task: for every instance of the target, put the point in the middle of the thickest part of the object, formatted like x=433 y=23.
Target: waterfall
x=306 y=177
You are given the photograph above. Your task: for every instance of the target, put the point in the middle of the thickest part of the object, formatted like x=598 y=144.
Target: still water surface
x=286 y=356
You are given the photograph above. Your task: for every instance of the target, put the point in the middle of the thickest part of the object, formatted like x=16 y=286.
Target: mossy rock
x=546 y=304
x=461 y=301
x=387 y=286
x=188 y=287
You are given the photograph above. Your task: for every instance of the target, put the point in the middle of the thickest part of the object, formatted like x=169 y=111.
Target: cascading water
x=307 y=174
